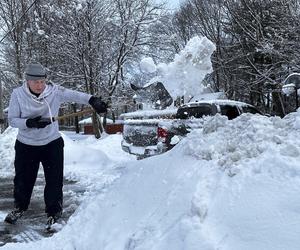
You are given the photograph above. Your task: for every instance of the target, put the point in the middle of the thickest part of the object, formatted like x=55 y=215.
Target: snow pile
x=244 y=138
x=184 y=75
x=229 y=185
x=83 y=163
x=250 y=206
x=7 y=152
x=86 y=161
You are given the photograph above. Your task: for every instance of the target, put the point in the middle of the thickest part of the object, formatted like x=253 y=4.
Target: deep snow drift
x=230 y=185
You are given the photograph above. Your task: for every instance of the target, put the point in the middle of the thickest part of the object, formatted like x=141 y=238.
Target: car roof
x=149 y=113
x=218 y=102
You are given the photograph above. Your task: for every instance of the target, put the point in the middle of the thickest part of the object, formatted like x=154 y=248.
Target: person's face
x=37 y=86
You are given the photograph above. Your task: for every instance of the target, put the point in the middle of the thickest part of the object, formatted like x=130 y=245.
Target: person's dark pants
x=27 y=161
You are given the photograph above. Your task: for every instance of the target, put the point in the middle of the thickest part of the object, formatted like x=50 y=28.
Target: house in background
x=110 y=128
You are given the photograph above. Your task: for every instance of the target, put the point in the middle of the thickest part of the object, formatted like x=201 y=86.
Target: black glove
x=98 y=104
x=38 y=122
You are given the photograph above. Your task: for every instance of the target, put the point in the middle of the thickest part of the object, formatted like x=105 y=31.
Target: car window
x=249 y=109
x=230 y=111
x=196 y=112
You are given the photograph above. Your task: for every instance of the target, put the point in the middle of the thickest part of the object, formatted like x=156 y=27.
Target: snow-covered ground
x=230 y=185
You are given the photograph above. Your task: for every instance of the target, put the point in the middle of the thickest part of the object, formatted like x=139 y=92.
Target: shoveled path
x=31 y=226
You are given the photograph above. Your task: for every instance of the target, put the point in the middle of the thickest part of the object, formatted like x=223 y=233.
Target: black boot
x=52 y=219
x=14 y=215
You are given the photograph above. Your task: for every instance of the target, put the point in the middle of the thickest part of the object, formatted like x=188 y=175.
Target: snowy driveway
x=31 y=226
x=90 y=166
x=234 y=184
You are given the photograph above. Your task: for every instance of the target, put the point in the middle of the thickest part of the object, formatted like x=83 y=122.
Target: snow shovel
x=63 y=117
x=83 y=112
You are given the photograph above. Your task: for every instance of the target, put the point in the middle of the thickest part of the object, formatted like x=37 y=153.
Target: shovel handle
x=83 y=112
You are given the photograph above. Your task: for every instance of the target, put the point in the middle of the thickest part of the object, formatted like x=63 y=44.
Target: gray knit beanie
x=35 y=71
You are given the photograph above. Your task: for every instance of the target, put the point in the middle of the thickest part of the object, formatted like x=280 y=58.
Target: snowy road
x=32 y=226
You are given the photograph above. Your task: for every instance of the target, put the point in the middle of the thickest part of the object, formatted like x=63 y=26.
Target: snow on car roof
x=220 y=102
x=149 y=113
x=89 y=121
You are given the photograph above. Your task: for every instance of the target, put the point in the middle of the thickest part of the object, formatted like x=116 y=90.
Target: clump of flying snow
x=147 y=65
x=184 y=75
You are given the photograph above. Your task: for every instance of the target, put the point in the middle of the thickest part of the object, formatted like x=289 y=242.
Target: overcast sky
x=172 y=3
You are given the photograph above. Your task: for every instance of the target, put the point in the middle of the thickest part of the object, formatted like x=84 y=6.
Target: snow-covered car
x=140 y=130
x=149 y=136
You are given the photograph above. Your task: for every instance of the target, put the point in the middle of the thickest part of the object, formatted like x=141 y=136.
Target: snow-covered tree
x=264 y=46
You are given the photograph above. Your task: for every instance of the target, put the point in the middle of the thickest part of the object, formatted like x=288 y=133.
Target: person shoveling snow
x=39 y=141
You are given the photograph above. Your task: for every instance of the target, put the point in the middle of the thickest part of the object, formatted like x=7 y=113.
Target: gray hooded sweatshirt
x=23 y=105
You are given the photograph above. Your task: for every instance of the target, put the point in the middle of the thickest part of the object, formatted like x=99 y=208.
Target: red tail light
x=162 y=134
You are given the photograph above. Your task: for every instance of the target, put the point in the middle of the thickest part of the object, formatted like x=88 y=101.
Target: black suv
x=231 y=109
